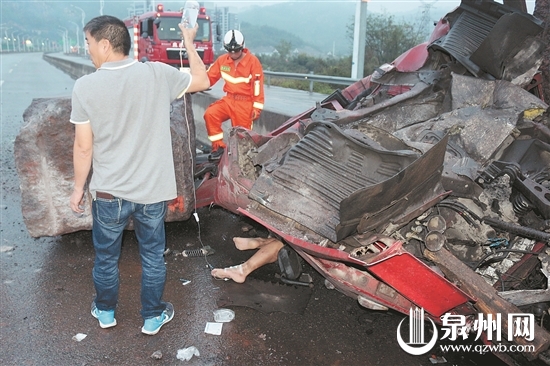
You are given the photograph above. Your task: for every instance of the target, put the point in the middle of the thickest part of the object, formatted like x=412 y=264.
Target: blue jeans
x=111 y=216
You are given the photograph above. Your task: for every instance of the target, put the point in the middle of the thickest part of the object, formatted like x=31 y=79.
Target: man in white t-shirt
x=121 y=115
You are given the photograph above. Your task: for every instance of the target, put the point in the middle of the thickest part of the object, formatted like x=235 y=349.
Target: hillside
x=319 y=25
x=324 y=26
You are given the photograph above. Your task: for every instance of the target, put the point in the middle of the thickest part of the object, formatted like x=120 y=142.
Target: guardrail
x=309 y=77
x=312 y=78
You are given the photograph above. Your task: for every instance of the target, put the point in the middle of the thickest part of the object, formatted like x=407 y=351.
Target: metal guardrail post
x=311 y=83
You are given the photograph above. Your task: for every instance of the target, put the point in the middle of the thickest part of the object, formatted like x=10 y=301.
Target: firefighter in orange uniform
x=244 y=88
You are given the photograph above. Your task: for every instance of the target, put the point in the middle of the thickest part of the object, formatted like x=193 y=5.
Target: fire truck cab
x=157 y=37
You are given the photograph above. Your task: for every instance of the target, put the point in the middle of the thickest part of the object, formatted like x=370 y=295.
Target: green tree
x=284 y=47
x=386 y=39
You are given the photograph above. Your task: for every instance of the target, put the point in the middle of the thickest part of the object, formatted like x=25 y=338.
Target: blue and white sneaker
x=106 y=317
x=152 y=326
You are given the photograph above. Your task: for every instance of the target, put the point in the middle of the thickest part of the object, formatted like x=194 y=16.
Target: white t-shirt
x=127 y=104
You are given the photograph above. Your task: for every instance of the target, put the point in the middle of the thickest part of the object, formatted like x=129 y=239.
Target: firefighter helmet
x=233 y=41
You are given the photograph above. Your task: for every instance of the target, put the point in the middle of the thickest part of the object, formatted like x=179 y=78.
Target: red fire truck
x=157 y=37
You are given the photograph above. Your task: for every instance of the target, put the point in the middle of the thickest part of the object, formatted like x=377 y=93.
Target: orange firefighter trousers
x=237 y=108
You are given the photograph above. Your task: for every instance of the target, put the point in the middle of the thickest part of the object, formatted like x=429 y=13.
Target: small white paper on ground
x=213 y=328
x=80 y=336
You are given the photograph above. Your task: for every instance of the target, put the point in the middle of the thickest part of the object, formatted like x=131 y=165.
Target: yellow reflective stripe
x=258 y=105
x=232 y=80
x=217 y=137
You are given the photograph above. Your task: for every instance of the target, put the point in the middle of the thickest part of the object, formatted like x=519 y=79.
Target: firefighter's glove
x=255 y=114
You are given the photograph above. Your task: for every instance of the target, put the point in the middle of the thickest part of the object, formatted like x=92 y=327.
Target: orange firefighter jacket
x=247 y=79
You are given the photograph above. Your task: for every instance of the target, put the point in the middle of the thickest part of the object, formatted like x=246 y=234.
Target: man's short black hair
x=112 y=29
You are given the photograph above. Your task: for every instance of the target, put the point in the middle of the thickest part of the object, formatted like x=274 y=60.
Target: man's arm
x=213 y=72
x=82 y=162
x=199 y=79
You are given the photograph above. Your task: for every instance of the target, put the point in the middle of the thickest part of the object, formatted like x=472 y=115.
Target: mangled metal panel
x=511 y=48
x=314 y=183
x=388 y=265
x=490 y=38
x=485 y=113
x=396 y=200
x=468 y=30
x=476 y=130
x=483 y=116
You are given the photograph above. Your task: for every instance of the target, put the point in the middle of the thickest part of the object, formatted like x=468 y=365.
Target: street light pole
x=24 y=42
x=65 y=40
x=12 y=42
x=19 y=43
x=4 y=28
x=62 y=34
x=358 y=58
x=82 y=21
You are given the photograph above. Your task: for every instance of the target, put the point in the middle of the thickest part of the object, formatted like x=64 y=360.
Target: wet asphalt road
x=46 y=287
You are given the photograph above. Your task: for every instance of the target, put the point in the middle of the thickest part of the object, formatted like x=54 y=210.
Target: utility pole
x=359 y=36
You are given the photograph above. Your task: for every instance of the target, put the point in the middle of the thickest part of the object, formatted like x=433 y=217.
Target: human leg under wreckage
x=268 y=250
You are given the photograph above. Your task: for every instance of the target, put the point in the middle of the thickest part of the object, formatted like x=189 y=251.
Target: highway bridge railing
x=312 y=78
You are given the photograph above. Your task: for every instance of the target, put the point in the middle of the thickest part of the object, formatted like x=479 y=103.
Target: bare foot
x=236 y=273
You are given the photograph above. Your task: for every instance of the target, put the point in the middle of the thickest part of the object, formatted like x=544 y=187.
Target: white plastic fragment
x=213 y=328
x=224 y=315
x=6 y=248
x=186 y=354
x=157 y=355
x=435 y=359
x=79 y=336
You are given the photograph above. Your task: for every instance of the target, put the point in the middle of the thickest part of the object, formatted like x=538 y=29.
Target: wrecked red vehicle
x=425 y=184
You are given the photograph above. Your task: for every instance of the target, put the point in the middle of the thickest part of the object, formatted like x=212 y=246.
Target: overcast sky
x=375 y=5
